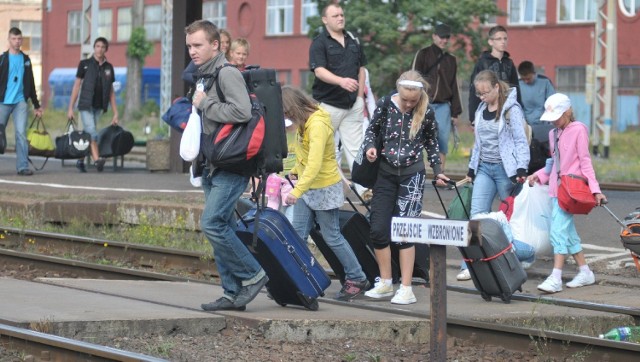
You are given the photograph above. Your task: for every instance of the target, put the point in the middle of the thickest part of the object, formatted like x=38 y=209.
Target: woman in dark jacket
x=408 y=126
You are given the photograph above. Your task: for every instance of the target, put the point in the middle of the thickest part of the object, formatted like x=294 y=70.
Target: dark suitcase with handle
x=492 y=262
x=355 y=229
x=295 y=277
x=494 y=267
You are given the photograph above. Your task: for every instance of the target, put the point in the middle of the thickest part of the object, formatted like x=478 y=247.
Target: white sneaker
x=550 y=285
x=464 y=275
x=404 y=295
x=582 y=279
x=380 y=290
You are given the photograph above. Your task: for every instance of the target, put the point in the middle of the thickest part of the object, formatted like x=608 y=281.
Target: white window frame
x=105 y=22
x=153 y=25
x=74 y=27
x=309 y=9
x=215 y=12
x=629 y=8
x=279 y=17
x=124 y=25
x=591 y=9
x=518 y=14
x=32 y=30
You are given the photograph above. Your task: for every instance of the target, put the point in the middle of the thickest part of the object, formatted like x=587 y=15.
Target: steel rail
x=478 y=332
x=155 y=256
x=48 y=347
x=145 y=256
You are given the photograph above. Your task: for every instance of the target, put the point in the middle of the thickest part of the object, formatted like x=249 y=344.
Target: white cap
x=555 y=106
x=287 y=122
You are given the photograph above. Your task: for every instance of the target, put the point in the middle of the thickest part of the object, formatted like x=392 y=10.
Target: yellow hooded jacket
x=316 y=164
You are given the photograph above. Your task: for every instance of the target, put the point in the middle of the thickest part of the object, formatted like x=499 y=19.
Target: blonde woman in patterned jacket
x=408 y=126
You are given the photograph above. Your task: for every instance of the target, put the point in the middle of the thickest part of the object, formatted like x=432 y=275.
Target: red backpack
x=236 y=147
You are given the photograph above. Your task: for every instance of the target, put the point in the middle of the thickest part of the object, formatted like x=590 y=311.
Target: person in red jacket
x=570 y=144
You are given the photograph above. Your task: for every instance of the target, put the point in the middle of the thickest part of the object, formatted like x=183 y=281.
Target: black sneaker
x=25 y=172
x=100 y=164
x=80 y=166
x=249 y=292
x=351 y=289
x=221 y=304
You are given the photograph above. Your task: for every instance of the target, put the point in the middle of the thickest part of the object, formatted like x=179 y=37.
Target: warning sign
x=430 y=231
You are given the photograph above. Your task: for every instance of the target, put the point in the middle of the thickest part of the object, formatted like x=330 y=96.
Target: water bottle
x=625 y=334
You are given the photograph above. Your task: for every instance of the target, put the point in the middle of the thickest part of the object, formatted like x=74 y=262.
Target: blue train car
x=61 y=83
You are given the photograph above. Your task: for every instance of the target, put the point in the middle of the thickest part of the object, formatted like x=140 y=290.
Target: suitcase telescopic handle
x=603 y=204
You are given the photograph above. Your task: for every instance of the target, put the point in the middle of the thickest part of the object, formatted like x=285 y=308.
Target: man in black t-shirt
x=337 y=60
x=94 y=85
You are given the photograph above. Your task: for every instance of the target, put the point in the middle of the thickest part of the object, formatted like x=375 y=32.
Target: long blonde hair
x=503 y=90
x=421 y=108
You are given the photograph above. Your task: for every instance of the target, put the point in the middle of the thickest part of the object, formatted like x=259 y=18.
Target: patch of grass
x=623 y=164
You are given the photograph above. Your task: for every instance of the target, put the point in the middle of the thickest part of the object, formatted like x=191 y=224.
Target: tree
x=137 y=50
x=391 y=41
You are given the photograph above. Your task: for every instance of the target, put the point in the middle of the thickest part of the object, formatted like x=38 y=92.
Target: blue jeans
x=236 y=266
x=491 y=179
x=19 y=111
x=303 y=221
x=524 y=251
x=443 y=117
x=90 y=119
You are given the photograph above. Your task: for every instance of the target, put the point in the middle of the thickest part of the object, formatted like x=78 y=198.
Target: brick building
x=557 y=35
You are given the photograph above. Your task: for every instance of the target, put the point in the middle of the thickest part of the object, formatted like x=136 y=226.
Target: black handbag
x=114 y=141
x=363 y=172
x=74 y=144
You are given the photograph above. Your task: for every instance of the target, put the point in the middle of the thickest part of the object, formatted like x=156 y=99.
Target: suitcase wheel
x=308 y=302
x=506 y=298
x=486 y=297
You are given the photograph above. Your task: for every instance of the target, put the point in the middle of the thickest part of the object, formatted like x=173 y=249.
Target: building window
x=527 y=11
x=74 y=26
x=31 y=34
x=124 y=24
x=576 y=11
x=629 y=7
x=104 y=23
x=629 y=77
x=306 y=79
x=153 y=21
x=309 y=9
x=215 y=12
x=571 y=79
x=279 y=17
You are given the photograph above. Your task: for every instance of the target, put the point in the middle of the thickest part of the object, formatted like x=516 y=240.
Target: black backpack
x=261 y=143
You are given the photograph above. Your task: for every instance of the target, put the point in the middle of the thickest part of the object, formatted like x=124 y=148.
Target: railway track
x=36 y=346
x=515 y=337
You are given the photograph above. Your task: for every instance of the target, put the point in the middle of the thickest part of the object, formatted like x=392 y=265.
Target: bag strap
x=36 y=167
x=556 y=151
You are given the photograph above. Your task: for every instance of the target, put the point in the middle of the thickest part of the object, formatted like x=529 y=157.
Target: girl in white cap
x=572 y=139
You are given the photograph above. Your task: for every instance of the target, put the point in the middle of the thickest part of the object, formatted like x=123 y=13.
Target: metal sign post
x=438 y=233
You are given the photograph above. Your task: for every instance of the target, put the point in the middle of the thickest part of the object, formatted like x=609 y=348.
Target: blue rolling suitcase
x=295 y=276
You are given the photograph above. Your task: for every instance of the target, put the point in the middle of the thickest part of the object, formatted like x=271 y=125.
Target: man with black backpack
x=241 y=275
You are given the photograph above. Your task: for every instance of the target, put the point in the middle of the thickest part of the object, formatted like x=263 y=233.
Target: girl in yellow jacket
x=318 y=194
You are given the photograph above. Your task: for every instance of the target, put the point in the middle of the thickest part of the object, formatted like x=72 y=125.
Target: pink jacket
x=575 y=159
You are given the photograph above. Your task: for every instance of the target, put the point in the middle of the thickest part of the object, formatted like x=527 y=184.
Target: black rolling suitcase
x=492 y=262
x=494 y=267
x=355 y=229
x=295 y=277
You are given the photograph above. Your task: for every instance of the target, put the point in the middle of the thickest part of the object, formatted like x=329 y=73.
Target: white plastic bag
x=190 y=141
x=531 y=219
